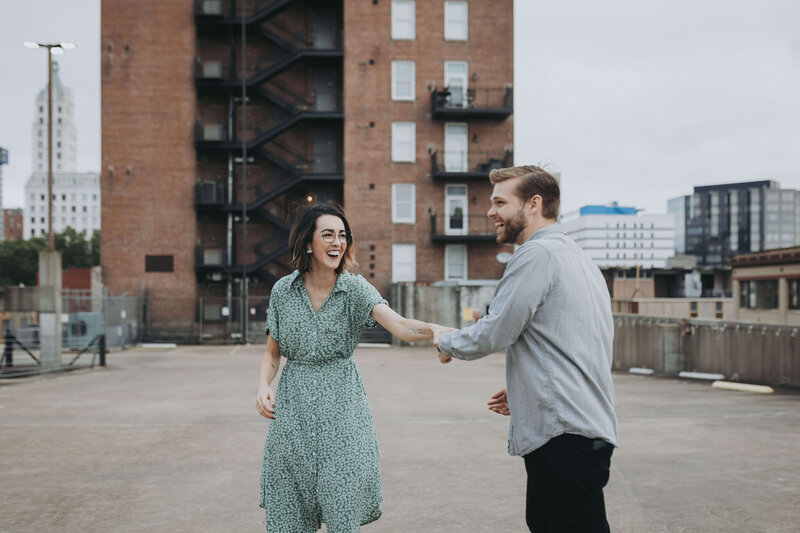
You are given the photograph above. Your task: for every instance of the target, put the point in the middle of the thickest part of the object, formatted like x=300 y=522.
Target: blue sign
x=3 y=156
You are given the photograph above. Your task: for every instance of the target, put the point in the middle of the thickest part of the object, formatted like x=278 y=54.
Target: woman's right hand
x=265 y=401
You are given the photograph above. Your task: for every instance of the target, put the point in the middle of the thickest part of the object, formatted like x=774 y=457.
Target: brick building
x=398 y=109
x=12 y=224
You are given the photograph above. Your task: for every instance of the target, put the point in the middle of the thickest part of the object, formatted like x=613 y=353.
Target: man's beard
x=511 y=229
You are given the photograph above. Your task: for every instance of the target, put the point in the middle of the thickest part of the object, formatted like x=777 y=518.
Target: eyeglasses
x=329 y=237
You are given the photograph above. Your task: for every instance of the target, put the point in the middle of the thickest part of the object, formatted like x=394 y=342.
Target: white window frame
x=449 y=13
x=397 y=251
x=397 y=29
x=399 y=129
x=449 y=249
x=397 y=217
x=397 y=94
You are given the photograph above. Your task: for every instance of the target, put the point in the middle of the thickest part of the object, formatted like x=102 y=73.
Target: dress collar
x=339 y=286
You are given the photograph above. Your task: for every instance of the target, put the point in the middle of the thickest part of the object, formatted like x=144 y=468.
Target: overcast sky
x=630 y=100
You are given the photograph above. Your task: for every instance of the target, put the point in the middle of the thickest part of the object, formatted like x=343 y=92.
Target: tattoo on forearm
x=417 y=331
x=273 y=366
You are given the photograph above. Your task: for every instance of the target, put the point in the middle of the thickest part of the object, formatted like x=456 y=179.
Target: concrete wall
x=744 y=352
x=454 y=304
x=674 y=307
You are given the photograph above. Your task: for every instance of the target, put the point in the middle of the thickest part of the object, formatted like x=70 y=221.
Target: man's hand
x=265 y=401
x=437 y=332
x=499 y=403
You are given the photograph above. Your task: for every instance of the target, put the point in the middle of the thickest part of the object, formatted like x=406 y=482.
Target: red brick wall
x=77 y=279
x=12 y=225
x=148 y=169
x=367 y=88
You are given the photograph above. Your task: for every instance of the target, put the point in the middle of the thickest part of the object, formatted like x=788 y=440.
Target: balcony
x=463 y=229
x=454 y=103
x=472 y=165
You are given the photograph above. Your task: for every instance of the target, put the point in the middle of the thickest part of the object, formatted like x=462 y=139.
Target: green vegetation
x=19 y=260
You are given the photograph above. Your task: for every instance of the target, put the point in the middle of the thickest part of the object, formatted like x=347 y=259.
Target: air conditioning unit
x=210 y=193
x=212 y=7
x=212 y=69
x=212 y=257
x=212 y=132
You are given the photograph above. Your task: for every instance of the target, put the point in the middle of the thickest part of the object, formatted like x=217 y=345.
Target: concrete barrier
x=755 y=353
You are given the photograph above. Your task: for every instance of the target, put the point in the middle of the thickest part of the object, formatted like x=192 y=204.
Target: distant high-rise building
x=65 y=138
x=620 y=237
x=3 y=161
x=76 y=195
x=734 y=218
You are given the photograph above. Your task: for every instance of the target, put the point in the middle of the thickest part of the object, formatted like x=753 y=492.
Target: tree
x=19 y=260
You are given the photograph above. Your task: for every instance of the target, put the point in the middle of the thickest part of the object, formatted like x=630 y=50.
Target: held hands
x=437 y=332
x=499 y=403
x=265 y=401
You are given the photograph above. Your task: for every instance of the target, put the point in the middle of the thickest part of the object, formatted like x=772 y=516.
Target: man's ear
x=535 y=202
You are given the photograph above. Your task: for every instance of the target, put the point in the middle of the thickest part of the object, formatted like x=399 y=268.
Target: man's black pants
x=566 y=477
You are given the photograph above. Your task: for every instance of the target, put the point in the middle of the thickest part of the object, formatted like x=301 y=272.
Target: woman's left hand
x=265 y=401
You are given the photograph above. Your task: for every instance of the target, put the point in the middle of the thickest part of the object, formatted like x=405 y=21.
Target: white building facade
x=76 y=203
x=76 y=195
x=624 y=240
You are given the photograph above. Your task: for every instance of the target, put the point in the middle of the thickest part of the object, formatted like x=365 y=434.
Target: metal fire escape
x=287 y=173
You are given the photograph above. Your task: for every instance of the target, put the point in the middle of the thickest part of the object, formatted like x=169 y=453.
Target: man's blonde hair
x=534 y=180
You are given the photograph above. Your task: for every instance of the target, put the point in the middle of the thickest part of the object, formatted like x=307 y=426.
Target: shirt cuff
x=445 y=343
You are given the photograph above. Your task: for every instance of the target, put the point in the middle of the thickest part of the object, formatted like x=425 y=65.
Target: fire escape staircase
x=295 y=109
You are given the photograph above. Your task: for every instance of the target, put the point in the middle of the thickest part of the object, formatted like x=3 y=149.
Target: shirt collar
x=546 y=231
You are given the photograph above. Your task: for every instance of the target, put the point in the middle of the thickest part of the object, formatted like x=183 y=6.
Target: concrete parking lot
x=168 y=440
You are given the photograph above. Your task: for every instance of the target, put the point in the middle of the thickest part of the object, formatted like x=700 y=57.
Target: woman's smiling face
x=328 y=254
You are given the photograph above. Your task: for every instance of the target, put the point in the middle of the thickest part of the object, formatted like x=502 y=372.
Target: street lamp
x=52 y=49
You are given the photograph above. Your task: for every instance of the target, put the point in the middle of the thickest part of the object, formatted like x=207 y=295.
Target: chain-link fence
x=204 y=320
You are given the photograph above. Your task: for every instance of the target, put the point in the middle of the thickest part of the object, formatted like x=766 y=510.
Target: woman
x=321 y=461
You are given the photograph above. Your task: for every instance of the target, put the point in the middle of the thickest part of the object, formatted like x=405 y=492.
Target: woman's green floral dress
x=321 y=460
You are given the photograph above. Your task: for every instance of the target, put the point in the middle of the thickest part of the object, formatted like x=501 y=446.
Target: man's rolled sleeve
x=524 y=287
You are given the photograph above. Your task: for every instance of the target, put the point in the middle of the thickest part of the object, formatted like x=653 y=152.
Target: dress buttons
x=315 y=382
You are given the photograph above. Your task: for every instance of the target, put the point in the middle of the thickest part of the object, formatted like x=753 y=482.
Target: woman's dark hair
x=302 y=233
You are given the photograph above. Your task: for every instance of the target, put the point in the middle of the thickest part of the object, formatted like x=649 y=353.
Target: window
x=693 y=309
x=403 y=19
x=718 y=310
x=455 y=21
x=403 y=80
x=403 y=196
x=758 y=294
x=404 y=141
x=404 y=262
x=455 y=262
x=794 y=293
x=158 y=263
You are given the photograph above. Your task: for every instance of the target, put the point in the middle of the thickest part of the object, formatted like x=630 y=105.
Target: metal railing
x=460 y=227
x=493 y=98
x=474 y=162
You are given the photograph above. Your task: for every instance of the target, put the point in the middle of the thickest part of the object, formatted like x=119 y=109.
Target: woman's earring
x=308 y=251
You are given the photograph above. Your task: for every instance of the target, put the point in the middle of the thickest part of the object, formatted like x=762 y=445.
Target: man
x=552 y=314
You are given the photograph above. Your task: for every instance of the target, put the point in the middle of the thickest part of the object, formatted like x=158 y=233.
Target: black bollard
x=101 y=344
x=8 y=351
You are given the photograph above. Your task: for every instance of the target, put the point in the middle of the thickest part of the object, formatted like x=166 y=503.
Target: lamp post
x=49 y=306
x=52 y=49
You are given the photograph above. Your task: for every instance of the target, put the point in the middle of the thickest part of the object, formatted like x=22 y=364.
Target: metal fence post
x=101 y=345
x=8 y=352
